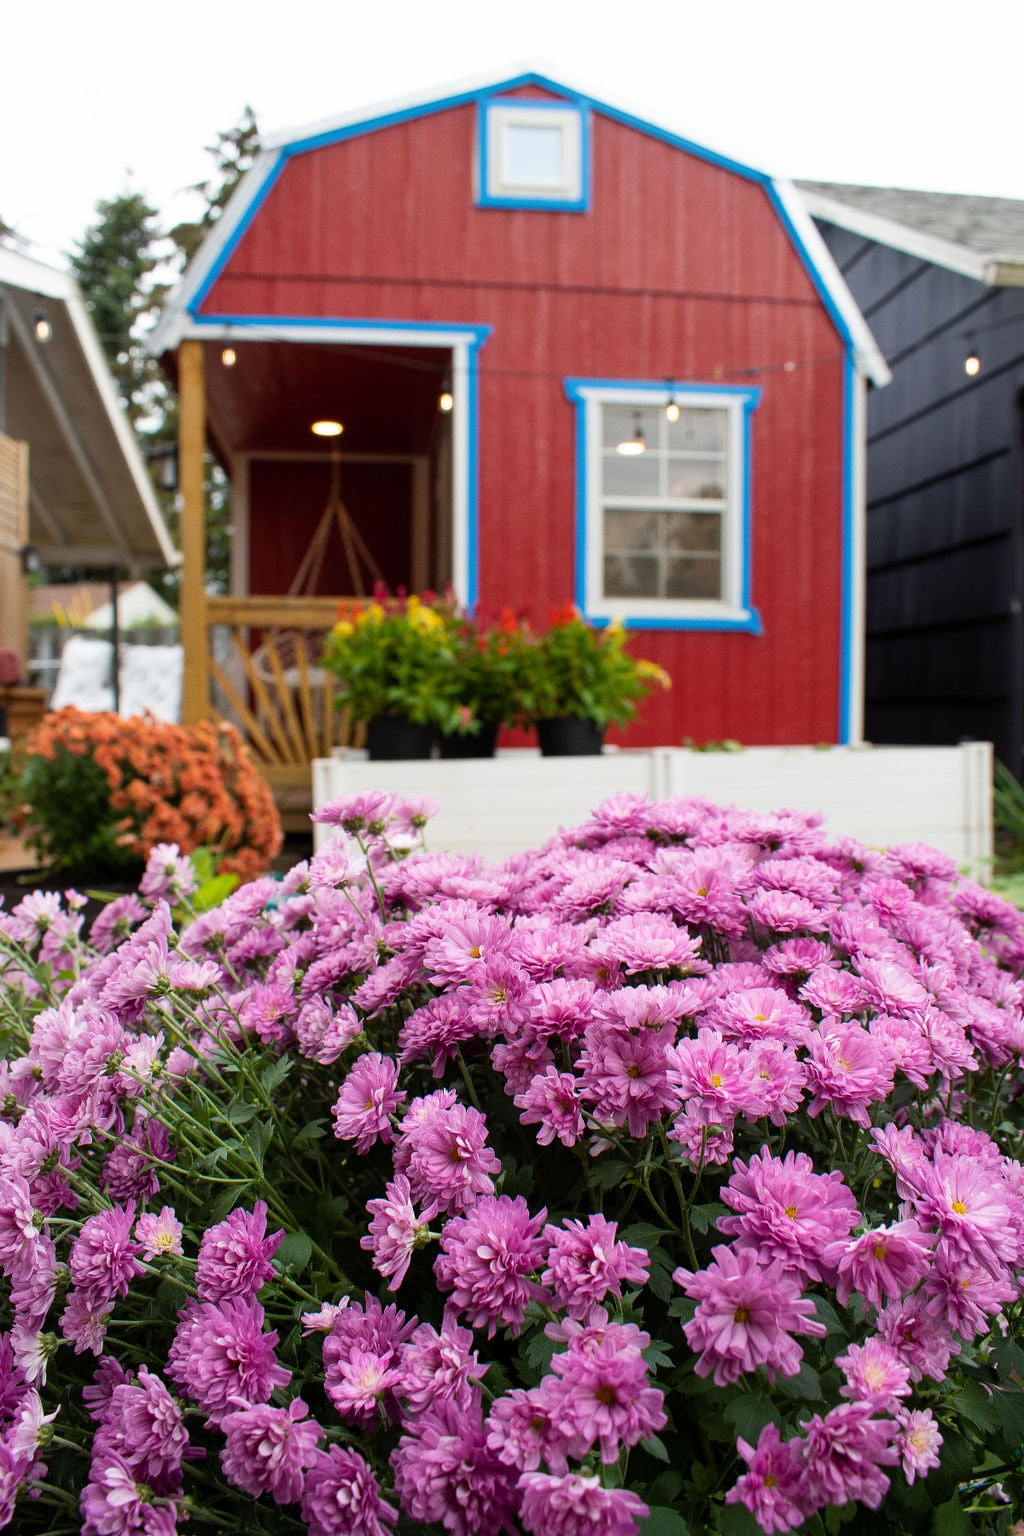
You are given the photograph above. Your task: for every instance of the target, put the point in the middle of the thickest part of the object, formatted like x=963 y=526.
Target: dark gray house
x=940 y=280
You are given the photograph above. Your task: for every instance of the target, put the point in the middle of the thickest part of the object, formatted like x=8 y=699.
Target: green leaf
x=275 y=1072
x=212 y=1159
x=828 y=1315
x=736 y=1520
x=665 y=1488
x=642 y=1234
x=703 y=1216
x=806 y=1384
x=240 y=1112
x=313 y=1130
x=261 y=1134
x=660 y=1276
x=975 y=1405
x=749 y=1414
x=294 y=1252
x=607 y=1172
x=1008 y=1403
x=1008 y=1357
x=664 y=1522
x=655 y=1447
x=950 y=1520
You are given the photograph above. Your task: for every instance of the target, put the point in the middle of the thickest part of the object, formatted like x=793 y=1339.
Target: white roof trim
x=176 y=324
x=902 y=237
x=34 y=277
x=868 y=355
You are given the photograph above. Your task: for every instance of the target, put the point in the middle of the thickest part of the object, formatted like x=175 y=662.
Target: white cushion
x=84 y=675
x=151 y=681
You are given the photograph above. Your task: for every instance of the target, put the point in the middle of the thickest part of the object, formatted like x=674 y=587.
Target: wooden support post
x=195 y=703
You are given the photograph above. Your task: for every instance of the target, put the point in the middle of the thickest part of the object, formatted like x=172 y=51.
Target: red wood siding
x=680 y=269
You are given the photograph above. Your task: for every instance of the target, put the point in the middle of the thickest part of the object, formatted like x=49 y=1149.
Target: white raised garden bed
x=879 y=795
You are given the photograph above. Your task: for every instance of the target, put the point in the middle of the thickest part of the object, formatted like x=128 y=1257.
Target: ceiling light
x=327 y=428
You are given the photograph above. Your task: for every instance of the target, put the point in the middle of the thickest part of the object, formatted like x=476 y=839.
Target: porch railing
x=265 y=675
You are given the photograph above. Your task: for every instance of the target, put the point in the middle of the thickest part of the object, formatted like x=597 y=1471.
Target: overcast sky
x=915 y=93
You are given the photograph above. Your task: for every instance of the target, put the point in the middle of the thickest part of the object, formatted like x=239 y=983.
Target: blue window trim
x=485 y=199
x=743 y=619
x=435 y=334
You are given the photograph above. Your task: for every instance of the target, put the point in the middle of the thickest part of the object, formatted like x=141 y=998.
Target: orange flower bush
x=100 y=791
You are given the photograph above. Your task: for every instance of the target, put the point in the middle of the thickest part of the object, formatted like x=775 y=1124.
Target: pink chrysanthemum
x=844 y=1454
x=486 y=1259
x=104 y=1258
x=874 y=1373
x=159 y=1233
x=362 y=1360
x=368 y=1098
x=772 y=1486
x=220 y=1352
x=440 y=1365
x=525 y=1428
x=585 y=1263
x=623 y=1075
x=142 y=1423
x=443 y=1151
x=342 y=1497
x=788 y=1212
x=395 y=1230
x=746 y=1316
x=268 y=1449
x=445 y=1473
x=977 y=1215
x=606 y=1397
x=884 y=1264
x=848 y=1070
x=572 y=1505
x=917 y=1440
x=552 y=1101
x=234 y=1256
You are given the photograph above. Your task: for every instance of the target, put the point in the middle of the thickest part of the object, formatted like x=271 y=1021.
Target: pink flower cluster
x=685 y=1090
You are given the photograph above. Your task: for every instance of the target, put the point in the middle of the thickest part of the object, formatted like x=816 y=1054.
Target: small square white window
x=533 y=155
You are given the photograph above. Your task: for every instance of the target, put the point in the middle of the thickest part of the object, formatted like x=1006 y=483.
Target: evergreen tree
x=114 y=263
x=233 y=154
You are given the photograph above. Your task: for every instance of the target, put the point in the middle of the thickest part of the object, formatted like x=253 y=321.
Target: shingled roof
x=983 y=236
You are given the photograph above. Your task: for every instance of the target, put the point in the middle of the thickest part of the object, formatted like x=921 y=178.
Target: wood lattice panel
x=13 y=535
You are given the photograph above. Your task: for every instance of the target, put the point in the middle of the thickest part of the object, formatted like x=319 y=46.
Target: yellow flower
x=343 y=629
x=373 y=613
x=652 y=673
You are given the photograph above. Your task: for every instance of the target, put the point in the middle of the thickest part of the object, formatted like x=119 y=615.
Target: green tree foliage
x=233 y=153
x=115 y=262
x=119 y=263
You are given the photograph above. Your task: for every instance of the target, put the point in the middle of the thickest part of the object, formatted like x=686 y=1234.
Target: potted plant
x=394 y=660
x=485 y=688
x=579 y=679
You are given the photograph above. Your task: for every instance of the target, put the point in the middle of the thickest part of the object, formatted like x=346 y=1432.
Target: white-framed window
x=533 y=154
x=663 y=503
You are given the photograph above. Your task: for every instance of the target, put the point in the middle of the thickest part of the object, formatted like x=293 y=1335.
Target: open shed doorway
x=321 y=516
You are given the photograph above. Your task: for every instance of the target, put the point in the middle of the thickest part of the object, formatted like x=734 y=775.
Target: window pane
x=533 y=155
x=694 y=577
x=631 y=576
x=620 y=422
x=631 y=475
x=697 y=479
x=697 y=532
x=699 y=430
x=624 y=530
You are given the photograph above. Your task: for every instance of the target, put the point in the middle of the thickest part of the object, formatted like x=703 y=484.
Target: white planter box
x=880 y=795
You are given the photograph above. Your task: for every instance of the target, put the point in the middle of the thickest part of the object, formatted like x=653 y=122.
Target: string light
x=327 y=428
x=229 y=357
x=631 y=446
x=41 y=326
x=446 y=401
x=672 y=409
x=972 y=362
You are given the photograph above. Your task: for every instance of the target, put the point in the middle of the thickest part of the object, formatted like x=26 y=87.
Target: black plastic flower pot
x=395 y=738
x=569 y=736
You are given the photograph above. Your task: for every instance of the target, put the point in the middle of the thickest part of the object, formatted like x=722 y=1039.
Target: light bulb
x=672 y=411
x=229 y=357
x=327 y=428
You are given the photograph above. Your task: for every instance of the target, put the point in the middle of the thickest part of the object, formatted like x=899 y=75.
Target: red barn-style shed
x=579 y=283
